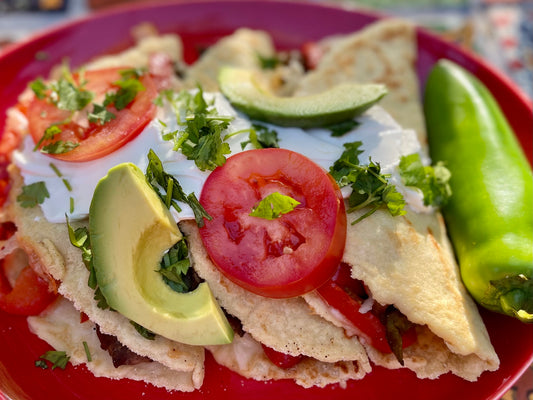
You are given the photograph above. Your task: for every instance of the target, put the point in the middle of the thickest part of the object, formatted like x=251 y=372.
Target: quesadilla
x=383 y=52
x=404 y=262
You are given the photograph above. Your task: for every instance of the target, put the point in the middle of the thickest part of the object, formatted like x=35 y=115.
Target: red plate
x=199 y=24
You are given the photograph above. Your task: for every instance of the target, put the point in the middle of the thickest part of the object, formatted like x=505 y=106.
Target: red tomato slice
x=95 y=140
x=341 y=292
x=29 y=295
x=285 y=257
x=279 y=359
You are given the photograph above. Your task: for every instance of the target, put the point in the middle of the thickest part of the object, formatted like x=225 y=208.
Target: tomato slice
x=95 y=140
x=281 y=360
x=29 y=295
x=284 y=257
x=344 y=294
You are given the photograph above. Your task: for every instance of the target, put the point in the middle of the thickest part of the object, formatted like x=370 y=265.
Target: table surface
x=501 y=31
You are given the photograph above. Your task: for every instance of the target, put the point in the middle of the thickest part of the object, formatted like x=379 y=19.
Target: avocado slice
x=340 y=103
x=130 y=230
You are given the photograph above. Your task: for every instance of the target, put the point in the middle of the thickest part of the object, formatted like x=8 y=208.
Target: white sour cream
x=383 y=140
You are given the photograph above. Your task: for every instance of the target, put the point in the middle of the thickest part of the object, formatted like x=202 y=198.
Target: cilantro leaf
x=174 y=268
x=59 y=147
x=41 y=364
x=433 y=182
x=59 y=359
x=49 y=134
x=208 y=152
x=72 y=98
x=274 y=206
x=128 y=89
x=199 y=136
x=101 y=301
x=342 y=128
x=132 y=73
x=100 y=115
x=160 y=180
x=80 y=238
x=346 y=164
x=268 y=62
x=39 y=88
x=261 y=137
x=370 y=188
x=33 y=194
x=144 y=332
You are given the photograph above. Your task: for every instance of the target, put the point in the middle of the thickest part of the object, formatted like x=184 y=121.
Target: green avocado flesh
x=130 y=230
x=338 y=104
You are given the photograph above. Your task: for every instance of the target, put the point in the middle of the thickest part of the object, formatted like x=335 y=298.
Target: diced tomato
x=345 y=295
x=29 y=295
x=83 y=317
x=312 y=53
x=95 y=139
x=286 y=256
x=281 y=360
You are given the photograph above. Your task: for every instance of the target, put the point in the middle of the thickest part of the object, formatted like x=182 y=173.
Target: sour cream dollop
x=383 y=140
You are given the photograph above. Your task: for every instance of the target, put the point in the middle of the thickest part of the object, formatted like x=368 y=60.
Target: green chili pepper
x=490 y=214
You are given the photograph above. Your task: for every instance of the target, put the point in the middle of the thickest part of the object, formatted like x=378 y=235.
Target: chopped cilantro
x=269 y=62
x=60 y=175
x=101 y=301
x=41 y=364
x=262 y=137
x=56 y=170
x=59 y=147
x=342 y=128
x=370 y=188
x=100 y=115
x=80 y=238
x=33 y=194
x=39 y=88
x=199 y=136
x=71 y=97
x=274 y=206
x=144 y=332
x=348 y=161
x=59 y=359
x=67 y=184
x=132 y=73
x=159 y=179
x=128 y=89
x=49 y=134
x=174 y=268
x=87 y=351
x=432 y=181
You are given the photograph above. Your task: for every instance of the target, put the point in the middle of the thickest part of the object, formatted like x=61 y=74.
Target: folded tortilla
x=407 y=261
x=240 y=49
x=60 y=326
x=50 y=252
x=244 y=48
x=384 y=52
x=287 y=325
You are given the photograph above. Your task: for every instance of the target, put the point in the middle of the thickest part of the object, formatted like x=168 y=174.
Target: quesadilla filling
x=261 y=224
